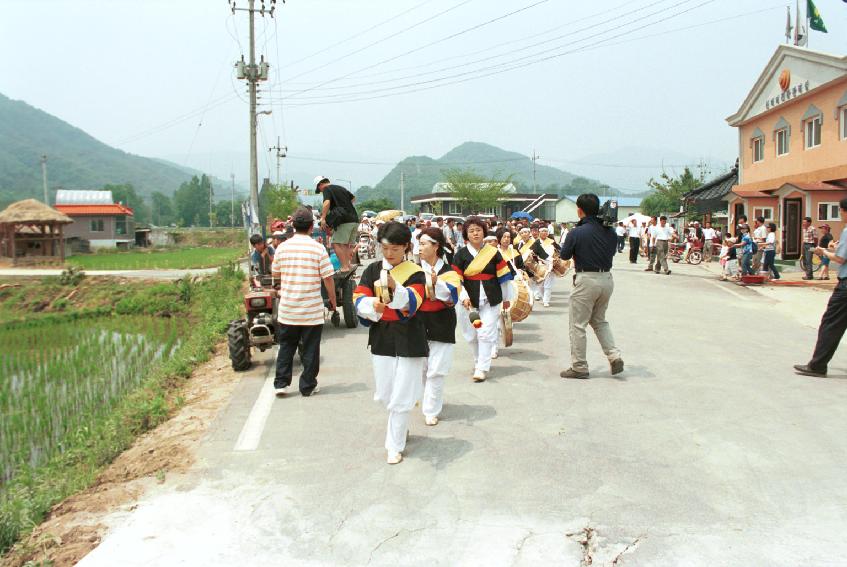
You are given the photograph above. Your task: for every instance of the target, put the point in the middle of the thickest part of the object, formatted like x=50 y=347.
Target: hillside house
x=97 y=218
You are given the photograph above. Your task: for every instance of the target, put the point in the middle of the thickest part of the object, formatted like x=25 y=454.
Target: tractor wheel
x=239 y=345
x=350 y=317
x=695 y=257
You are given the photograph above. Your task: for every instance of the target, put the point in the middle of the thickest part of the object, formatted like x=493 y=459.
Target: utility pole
x=232 y=201
x=281 y=152
x=534 y=160
x=402 y=190
x=253 y=73
x=44 y=179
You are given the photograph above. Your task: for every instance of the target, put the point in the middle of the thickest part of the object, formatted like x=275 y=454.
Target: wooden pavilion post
x=62 y=242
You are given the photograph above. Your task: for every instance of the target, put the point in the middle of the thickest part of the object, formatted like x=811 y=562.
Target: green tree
x=668 y=191
x=224 y=216
x=125 y=193
x=277 y=201
x=377 y=205
x=162 y=209
x=191 y=201
x=474 y=191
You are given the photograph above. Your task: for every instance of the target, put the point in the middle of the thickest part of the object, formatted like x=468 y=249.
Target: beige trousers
x=588 y=303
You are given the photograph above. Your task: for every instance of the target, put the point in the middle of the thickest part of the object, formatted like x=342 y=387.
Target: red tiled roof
x=88 y=210
x=818 y=186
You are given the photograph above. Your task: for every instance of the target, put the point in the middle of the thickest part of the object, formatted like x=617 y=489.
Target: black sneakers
x=806 y=370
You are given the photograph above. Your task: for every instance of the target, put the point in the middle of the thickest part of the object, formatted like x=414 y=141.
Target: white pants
x=483 y=341
x=533 y=287
x=435 y=370
x=398 y=387
x=547 y=287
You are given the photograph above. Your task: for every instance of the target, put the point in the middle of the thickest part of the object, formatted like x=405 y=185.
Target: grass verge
x=158 y=259
x=28 y=497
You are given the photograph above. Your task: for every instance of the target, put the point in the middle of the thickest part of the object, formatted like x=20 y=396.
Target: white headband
x=428 y=238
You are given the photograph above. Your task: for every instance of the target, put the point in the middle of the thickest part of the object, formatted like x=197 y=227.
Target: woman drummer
x=528 y=236
x=387 y=299
x=437 y=312
x=512 y=256
x=544 y=248
x=486 y=285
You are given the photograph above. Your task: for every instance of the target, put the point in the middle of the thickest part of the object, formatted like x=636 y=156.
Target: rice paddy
x=57 y=377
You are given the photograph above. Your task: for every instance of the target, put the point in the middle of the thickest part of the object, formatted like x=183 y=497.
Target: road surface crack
x=394 y=536
x=586 y=538
x=519 y=545
x=630 y=547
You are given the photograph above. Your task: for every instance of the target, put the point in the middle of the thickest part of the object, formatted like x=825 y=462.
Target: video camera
x=608 y=214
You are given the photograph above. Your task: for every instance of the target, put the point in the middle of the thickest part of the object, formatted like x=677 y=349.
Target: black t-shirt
x=825 y=240
x=591 y=245
x=341 y=199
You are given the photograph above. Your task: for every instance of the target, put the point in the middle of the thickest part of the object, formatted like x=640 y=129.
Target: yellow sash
x=481 y=261
x=526 y=248
x=403 y=271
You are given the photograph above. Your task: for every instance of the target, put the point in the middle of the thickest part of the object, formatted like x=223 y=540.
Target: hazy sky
x=132 y=72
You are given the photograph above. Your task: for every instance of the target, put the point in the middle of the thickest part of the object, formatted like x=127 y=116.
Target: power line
x=377 y=42
x=500 y=67
x=511 y=52
x=446 y=38
x=359 y=34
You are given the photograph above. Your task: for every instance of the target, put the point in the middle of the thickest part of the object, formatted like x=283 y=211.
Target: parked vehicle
x=676 y=252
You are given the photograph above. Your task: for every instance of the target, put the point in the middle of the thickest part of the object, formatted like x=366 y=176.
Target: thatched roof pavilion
x=32 y=232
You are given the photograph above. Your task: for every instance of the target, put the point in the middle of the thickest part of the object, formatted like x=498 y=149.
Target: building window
x=843 y=122
x=454 y=208
x=828 y=212
x=758 y=149
x=782 y=142
x=120 y=225
x=766 y=212
x=813 y=132
x=97 y=225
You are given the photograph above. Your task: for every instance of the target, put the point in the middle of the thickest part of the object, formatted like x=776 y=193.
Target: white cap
x=320 y=178
x=544 y=227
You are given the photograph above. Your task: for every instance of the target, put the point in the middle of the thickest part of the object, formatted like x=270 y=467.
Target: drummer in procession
x=387 y=300
x=527 y=241
x=544 y=249
x=438 y=313
x=486 y=285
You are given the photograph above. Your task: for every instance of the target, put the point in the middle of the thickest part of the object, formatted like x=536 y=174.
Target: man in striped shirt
x=300 y=264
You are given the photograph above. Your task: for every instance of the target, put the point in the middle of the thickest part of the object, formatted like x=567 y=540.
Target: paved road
x=707 y=451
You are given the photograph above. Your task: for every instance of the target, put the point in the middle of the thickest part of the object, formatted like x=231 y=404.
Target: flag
x=814 y=16
x=801 y=34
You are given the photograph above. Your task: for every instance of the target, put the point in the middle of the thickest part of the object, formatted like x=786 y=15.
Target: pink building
x=792 y=136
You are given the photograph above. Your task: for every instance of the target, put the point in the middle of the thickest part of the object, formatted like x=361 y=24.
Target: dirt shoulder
x=75 y=526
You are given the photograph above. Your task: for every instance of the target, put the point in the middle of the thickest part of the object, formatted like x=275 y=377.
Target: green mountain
x=75 y=160
x=422 y=172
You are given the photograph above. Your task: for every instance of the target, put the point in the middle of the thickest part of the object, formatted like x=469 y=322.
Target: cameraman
x=592 y=247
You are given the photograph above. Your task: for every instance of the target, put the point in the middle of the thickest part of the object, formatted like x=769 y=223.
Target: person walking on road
x=339 y=214
x=824 y=242
x=769 y=252
x=650 y=247
x=387 y=300
x=443 y=286
x=620 y=231
x=301 y=264
x=662 y=235
x=834 y=320
x=634 y=241
x=760 y=234
x=709 y=235
x=592 y=247
x=809 y=242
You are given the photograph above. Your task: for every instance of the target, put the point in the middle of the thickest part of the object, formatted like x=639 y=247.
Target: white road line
x=717 y=283
x=251 y=433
